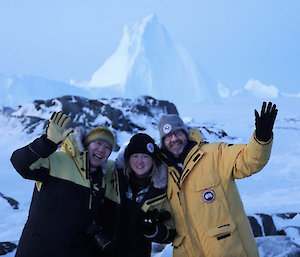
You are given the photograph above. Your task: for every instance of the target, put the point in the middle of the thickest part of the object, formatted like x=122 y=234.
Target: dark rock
x=7 y=111
x=255 y=226
x=7 y=247
x=13 y=203
x=268 y=225
x=286 y=215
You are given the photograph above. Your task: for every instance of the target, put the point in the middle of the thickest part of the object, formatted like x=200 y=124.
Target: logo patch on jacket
x=208 y=195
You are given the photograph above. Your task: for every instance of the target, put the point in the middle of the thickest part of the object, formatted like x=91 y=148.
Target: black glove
x=101 y=240
x=265 y=122
x=153 y=222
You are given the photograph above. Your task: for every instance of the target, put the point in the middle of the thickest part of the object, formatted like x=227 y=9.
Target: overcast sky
x=234 y=40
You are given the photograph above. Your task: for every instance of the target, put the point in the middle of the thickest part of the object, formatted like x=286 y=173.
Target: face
x=98 y=152
x=175 y=142
x=141 y=164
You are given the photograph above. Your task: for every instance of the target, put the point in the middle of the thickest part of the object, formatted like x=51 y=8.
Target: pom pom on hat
x=100 y=133
x=142 y=143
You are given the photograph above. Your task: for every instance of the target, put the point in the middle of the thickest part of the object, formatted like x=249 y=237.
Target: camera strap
x=96 y=197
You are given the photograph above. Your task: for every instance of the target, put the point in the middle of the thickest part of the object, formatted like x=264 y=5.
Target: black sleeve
x=22 y=158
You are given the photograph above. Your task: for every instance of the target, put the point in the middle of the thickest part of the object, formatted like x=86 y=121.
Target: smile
x=96 y=156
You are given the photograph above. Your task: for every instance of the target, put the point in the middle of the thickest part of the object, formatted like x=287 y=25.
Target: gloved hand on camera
x=265 y=122
x=101 y=240
x=153 y=222
x=57 y=123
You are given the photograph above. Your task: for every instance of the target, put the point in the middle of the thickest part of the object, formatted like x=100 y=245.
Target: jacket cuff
x=262 y=142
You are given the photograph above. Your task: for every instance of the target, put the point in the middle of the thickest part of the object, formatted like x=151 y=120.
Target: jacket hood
x=159 y=178
x=196 y=135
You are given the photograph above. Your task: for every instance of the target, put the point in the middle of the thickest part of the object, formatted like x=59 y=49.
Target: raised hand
x=265 y=122
x=57 y=123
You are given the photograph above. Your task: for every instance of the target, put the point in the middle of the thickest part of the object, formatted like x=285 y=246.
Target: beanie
x=100 y=133
x=142 y=143
x=170 y=123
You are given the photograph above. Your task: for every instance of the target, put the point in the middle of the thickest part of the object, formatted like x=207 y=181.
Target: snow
x=273 y=190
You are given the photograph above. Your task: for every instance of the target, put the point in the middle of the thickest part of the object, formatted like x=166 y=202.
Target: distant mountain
x=149 y=62
x=20 y=89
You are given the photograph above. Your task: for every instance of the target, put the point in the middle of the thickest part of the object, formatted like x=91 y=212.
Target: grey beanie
x=170 y=123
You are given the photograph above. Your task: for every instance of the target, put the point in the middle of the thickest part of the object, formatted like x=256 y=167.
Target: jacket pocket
x=205 y=181
x=225 y=241
x=221 y=230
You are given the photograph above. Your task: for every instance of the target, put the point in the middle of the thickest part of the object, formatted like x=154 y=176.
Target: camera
x=100 y=238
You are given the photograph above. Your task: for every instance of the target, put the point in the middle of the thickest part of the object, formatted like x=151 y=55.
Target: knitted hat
x=142 y=143
x=170 y=123
x=100 y=133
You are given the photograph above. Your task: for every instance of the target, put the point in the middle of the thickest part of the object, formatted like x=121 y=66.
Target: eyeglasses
x=177 y=134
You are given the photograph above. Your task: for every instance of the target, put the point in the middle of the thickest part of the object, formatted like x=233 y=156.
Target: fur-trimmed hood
x=159 y=178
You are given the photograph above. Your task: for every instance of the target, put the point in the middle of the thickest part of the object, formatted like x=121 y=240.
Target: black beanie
x=142 y=143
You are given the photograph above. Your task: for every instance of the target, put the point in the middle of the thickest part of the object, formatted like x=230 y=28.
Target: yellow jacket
x=60 y=210
x=209 y=215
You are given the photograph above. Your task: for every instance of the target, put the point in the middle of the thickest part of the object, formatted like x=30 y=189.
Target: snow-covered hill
x=21 y=89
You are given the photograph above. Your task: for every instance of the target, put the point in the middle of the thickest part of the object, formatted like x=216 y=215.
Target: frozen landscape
x=133 y=71
x=273 y=190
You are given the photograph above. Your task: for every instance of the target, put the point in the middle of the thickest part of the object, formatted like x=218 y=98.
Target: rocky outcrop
x=7 y=247
x=275 y=224
x=118 y=114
